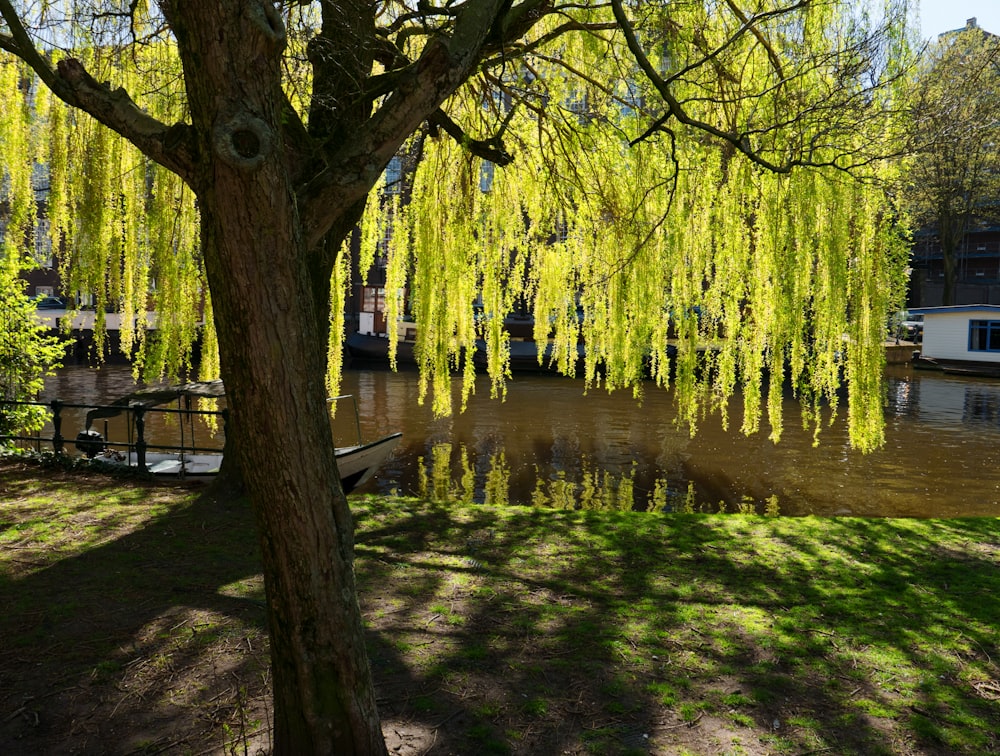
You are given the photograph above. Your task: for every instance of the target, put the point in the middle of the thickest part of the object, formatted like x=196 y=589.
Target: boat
x=356 y=463
x=371 y=350
x=957 y=367
x=960 y=340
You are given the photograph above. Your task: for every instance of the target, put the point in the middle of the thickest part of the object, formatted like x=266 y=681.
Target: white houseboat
x=961 y=339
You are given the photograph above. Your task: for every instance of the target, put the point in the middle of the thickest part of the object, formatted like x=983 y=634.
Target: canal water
x=550 y=444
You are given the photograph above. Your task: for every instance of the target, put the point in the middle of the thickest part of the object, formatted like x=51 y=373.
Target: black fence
x=90 y=442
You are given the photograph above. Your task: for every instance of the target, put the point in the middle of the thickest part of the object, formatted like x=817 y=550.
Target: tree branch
x=489 y=149
x=173 y=147
x=675 y=109
x=750 y=23
x=673 y=106
x=20 y=44
x=444 y=64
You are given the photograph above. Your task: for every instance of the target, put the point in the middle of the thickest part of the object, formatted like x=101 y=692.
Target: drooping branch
x=820 y=129
x=751 y=25
x=748 y=26
x=674 y=107
x=521 y=49
x=19 y=43
x=69 y=81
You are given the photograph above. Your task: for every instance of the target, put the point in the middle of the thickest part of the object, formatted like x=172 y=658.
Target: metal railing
x=136 y=415
x=357 y=414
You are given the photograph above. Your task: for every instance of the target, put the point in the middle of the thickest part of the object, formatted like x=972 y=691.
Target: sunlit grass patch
x=604 y=632
x=40 y=529
x=794 y=609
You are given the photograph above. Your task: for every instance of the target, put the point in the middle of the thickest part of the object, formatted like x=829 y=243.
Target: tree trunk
x=323 y=695
x=950 y=232
x=274 y=364
x=950 y=269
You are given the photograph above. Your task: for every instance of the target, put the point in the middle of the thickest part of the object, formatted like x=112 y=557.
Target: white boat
x=960 y=339
x=357 y=463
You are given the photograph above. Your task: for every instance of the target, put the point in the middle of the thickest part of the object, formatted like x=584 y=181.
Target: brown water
x=550 y=444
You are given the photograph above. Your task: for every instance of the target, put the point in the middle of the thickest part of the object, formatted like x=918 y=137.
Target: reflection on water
x=947 y=402
x=548 y=444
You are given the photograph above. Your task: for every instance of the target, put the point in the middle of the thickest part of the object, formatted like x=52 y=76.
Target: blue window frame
x=984 y=335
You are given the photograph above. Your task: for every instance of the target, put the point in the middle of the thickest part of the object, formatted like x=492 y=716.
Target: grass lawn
x=132 y=619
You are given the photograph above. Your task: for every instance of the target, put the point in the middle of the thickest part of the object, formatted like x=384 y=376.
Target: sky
x=938 y=16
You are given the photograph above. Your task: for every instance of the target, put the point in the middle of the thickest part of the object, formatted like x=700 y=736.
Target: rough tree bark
x=274 y=366
x=271 y=219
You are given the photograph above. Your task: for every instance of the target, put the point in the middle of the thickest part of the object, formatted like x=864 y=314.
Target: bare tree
x=953 y=182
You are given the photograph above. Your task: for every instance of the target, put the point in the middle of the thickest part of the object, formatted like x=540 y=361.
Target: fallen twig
x=692 y=723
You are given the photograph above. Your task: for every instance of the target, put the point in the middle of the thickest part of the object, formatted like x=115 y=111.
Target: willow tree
x=703 y=172
x=953 y=183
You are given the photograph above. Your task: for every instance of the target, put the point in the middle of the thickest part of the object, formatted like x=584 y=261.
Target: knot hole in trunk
x=243 y=141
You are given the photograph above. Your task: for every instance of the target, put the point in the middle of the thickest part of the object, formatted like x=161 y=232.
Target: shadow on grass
x=138 y=643
x=619 y=633
x=516 y=630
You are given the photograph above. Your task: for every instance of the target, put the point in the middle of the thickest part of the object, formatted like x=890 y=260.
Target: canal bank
x=551 y=443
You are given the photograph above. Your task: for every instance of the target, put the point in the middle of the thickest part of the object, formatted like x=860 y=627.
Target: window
x=388 y=229
x=373 y=299
x=984 y=335
x=394 y=176
x=43 y=244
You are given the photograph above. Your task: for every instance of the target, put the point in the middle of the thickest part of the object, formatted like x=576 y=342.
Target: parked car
x=908 y=327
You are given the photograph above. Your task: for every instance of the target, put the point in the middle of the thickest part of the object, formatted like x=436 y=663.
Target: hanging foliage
x=652 y=251
x=671 y=258
x=124 y=229
x=16 y=189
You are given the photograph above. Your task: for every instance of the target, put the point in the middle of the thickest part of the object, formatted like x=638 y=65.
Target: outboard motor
x=90 y=442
